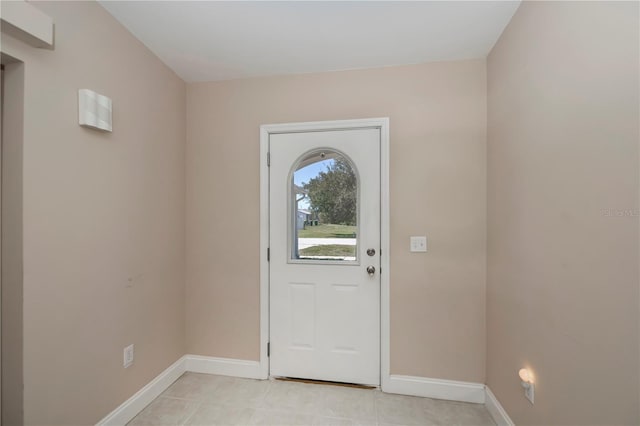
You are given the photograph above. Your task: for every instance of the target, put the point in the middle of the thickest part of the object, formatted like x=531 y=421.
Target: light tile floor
x=202 y=399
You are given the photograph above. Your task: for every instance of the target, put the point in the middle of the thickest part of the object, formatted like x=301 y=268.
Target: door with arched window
x=324 y=281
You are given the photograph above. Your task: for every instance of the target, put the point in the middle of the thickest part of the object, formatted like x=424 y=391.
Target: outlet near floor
x=529 y=392
x=128 y=356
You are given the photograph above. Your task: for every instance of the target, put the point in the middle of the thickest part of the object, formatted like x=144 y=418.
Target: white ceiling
x=220 y=40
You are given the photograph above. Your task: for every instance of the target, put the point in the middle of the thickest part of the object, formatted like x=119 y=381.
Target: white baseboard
x=404 y=385
x=134 y=405
x=498 y=413
x=435 y=388
x=224 y=366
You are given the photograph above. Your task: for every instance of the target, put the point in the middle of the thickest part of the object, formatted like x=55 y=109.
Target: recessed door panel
x=303 y=315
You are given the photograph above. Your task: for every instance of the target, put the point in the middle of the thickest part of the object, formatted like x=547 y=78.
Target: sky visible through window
x=305 y=174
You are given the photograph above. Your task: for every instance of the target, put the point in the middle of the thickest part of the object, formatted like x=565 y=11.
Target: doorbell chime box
x=94 y=110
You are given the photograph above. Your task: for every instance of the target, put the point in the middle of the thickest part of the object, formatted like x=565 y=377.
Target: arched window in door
x=324 y=208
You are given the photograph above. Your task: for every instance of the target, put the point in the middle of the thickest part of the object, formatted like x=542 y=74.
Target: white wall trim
x=404 y=385
x=134 y=405
x=385 y=256
x=264 y=245
x=496 y=410
x=436 y=388
x=27 y=23
x=265 y=131
x=224 y=366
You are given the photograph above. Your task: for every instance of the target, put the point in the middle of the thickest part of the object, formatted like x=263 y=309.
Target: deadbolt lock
x=371 y=252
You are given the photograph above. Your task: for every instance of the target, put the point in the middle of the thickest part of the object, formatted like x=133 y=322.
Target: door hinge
x=268 y=254
x=268 y=159
x=268 y=349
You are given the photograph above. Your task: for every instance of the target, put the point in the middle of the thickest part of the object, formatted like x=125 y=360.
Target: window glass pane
x=324 y=192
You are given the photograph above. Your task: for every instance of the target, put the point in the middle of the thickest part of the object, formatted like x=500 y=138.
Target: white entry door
x=324 y=283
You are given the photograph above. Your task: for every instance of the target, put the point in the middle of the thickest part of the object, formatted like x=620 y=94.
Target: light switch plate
x=418 y=244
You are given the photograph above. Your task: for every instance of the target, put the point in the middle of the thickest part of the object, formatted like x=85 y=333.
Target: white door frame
x=265 y=131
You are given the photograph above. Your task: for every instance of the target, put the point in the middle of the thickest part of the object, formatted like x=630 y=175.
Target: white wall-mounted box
x=26 y=23
x=94 y=110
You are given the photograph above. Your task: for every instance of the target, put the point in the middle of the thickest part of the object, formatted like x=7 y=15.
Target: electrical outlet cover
x=128 y=356
x=529 y=393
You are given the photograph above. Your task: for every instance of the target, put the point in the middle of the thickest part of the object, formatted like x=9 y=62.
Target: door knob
x=371 y=270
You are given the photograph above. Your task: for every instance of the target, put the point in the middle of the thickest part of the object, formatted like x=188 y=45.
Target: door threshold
x=324 y=382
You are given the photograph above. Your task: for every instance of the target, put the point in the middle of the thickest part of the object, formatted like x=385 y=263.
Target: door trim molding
x=265 y=131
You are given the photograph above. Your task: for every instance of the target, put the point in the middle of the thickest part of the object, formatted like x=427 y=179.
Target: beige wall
x=438 y=159
x=99 y=208
x=562 y=290
x=562 y=282
x=12 y=307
